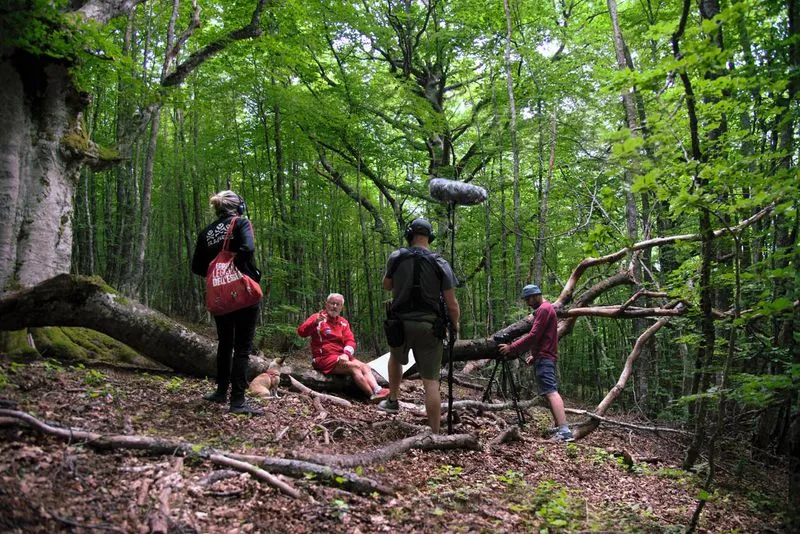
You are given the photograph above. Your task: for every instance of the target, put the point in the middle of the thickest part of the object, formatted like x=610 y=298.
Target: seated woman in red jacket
x=333 y=345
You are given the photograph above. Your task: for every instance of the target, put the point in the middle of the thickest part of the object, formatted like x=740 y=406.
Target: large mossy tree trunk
x=39 y=122
x=43 y=145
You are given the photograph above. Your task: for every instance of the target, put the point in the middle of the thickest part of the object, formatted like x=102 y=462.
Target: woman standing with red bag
x=235 y=330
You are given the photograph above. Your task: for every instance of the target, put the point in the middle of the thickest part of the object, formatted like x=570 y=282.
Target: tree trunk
x=538 y=261
x=42 y=142
x=512 y=106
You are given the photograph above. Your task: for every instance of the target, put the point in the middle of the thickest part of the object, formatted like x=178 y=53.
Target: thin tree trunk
x=631 y=211
x=514 y=147
x=545 y=194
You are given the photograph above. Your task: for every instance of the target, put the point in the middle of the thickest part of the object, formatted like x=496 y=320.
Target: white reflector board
x=381 y=365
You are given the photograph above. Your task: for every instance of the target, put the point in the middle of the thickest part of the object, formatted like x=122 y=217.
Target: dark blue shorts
x=545 y=376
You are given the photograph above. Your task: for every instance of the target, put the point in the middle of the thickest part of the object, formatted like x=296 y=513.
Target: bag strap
x=228 y=233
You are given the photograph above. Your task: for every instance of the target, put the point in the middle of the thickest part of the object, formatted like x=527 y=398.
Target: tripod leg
x=488 y=391
x=515 y=400
x=450 y=386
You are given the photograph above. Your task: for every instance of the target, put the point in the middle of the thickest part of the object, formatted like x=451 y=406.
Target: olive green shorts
x=427 y=349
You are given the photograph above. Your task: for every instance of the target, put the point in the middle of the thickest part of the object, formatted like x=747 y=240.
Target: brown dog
x=266 y=384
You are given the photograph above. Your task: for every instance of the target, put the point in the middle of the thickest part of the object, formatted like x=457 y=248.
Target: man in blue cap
x=542 y=341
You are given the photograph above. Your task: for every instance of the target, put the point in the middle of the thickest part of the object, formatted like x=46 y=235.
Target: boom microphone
x=455 y=192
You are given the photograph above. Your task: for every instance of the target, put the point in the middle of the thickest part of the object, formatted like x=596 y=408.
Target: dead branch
x=310 y=392
x=619 y=312
x=255 y=472
x=566 y=293
x=656 y=429
x=498 y=406
x=424 y=441
x=587 y=427
x=509 y=434
x=643 y=293
x=280 y=433
x=335 y=477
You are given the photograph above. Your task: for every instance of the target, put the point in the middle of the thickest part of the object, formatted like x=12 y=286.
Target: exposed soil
x=48 y=485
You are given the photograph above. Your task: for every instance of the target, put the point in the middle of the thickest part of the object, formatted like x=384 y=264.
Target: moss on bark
x=88 y=346
x=15 y=345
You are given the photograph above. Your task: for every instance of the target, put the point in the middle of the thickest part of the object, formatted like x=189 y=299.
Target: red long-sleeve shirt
x=542 y=340
x=329 y=339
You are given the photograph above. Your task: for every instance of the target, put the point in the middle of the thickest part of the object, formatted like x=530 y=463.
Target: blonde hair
x=225 y=203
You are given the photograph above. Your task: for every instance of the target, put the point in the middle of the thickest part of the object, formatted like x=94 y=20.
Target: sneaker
x=389 y=405
x=380 y=395
x=563 y=435
x=216 y=396
x=244 y=409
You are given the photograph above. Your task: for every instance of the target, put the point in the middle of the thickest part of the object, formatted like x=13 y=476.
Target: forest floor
x=530 y=485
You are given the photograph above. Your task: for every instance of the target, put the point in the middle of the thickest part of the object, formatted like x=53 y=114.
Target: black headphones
x=242 y=207
x=422 y=227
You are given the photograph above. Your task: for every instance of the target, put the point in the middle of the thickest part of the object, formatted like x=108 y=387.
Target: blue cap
x=530 y=290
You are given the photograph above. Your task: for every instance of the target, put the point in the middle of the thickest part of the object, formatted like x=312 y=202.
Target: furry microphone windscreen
x=456 y=192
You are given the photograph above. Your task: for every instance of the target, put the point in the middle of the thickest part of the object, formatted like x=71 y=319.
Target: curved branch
x=333 y=176
x=252 y=30
x=656 y=429
x=566 y=293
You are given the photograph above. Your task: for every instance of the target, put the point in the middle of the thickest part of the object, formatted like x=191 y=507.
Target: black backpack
x=415 y=302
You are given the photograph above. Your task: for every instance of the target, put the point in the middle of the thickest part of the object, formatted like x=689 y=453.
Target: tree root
x=316 y=394
x=254 y=465
x=424 y=441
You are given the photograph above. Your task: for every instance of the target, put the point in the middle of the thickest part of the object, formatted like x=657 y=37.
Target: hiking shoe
x=389 y=405
x=380 y=395
x=216 y=396
x=244 y=409
x=563 y=435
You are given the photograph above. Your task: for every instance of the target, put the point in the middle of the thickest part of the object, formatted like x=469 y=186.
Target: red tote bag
x=227 y=288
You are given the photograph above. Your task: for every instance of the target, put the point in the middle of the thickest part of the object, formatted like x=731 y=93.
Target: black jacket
x=242 y=242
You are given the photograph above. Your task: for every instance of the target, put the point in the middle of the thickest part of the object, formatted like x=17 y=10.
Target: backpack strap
x=229 y=232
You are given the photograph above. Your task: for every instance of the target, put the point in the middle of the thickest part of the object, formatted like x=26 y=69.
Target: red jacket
x=329 y=339
x=542 y=340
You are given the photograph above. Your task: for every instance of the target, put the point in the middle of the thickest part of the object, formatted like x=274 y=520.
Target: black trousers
x=235 y=333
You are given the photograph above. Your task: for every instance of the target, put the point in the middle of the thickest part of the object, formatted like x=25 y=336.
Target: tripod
x=506 y=381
